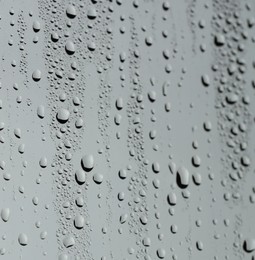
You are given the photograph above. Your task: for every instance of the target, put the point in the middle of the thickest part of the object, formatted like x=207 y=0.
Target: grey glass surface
x=127 y=129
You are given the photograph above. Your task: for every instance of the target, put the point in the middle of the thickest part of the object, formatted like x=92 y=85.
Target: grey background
x=214 y=220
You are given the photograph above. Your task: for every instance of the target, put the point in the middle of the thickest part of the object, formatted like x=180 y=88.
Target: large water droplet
x=5 y=214
x=87 y=162
x=63 y=115
x=23 y=239
x=182 y=177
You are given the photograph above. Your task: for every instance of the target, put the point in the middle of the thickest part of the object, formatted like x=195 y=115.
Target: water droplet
x=43 y=162
x=92 y=14
x=172 y=199
x=70 y=48
x=37 y=75
x=249 y=245
x=71 y=11
x=79 y=222
x=41 y=111
x=68 y=241
x=23 y=239
x=80 y=176
x=36 y=26
x=98 y=178
x=182 y=177
x=5 y=214
x=63 y=115
x=87 y=162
